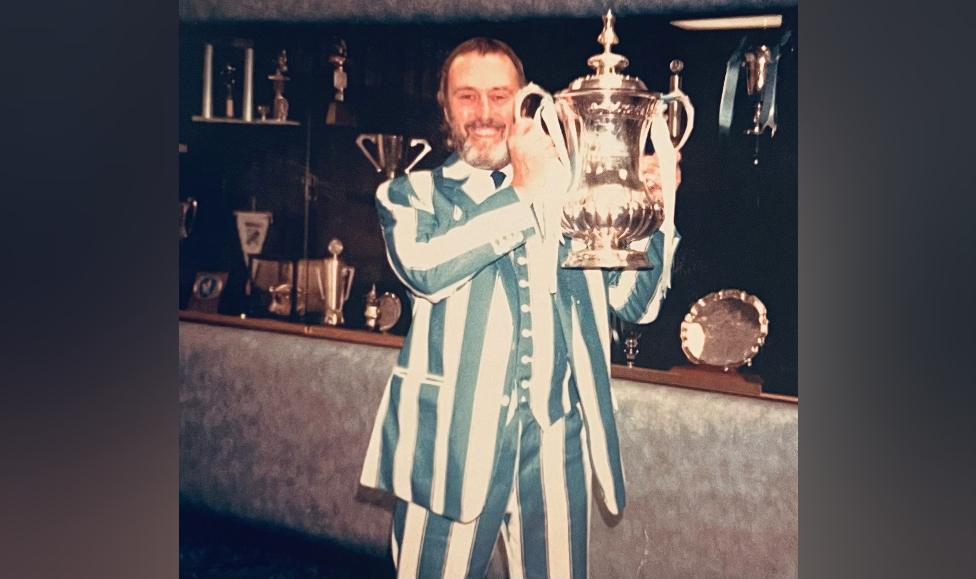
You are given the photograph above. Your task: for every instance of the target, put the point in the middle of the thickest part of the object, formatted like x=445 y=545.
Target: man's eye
x=466 y=97
x=500 y=98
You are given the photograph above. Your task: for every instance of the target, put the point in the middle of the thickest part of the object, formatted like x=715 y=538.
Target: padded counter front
x=274 y=427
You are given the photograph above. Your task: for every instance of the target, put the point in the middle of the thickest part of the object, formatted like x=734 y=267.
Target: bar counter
x=275 y=418
x=684 y=377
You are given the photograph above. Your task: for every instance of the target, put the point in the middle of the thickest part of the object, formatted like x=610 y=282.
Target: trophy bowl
x=608 y=206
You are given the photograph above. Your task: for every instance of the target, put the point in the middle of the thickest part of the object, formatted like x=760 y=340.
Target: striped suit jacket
x=436 y=432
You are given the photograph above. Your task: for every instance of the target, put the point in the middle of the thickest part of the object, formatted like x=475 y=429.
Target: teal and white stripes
x=434 y=260
x=438 y=433
x=539 y=500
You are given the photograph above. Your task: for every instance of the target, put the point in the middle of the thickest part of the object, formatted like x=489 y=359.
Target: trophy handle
x=523 y=93
x=679 y=96
x=545 y=116
x=349 y=272
x=423 y=152
x=372 y=139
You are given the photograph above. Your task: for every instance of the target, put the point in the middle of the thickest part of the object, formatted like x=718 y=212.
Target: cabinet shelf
x=235 y=121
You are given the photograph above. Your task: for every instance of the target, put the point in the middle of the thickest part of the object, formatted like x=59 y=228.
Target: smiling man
x=476 y=95
x=499 y=411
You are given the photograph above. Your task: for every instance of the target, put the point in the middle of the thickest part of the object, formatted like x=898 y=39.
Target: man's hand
x=536 y=170
x=650 y=167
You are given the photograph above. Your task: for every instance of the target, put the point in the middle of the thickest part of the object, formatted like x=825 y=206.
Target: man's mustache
x=474 y=125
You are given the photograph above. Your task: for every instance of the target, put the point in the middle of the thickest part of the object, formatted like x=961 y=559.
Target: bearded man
x=499 y=410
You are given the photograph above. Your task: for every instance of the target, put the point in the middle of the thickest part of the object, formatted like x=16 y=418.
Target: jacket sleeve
x=636 y=295
x=435 y=257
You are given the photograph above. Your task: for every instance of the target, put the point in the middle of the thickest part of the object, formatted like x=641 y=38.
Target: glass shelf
x=236 y=121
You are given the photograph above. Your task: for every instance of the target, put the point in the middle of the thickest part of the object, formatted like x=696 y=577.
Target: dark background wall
x=738 y=221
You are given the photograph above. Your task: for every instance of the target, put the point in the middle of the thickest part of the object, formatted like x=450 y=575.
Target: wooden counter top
x=694 y=377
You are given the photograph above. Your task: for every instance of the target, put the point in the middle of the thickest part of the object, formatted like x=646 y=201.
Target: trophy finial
x=608 y=62
x=608 y=37
x=335 y=247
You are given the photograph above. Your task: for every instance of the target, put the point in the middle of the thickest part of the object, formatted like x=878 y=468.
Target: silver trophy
x=188 y=215
x=336 y=284
x=390 y=152
x=600 y=125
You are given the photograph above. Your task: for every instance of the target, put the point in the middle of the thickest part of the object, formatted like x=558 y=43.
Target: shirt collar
x=457 y=168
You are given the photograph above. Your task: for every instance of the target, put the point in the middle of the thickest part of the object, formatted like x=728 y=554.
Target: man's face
x=480 y=89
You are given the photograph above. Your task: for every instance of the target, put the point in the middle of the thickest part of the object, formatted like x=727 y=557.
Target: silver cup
x=391 y=152
x=601 y=125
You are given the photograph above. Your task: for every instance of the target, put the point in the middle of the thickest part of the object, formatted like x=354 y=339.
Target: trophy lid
x=607 y=66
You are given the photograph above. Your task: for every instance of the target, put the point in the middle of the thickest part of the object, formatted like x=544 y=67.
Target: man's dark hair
x=481 y=45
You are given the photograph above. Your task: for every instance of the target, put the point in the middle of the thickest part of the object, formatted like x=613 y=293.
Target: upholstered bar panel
x=274 y=426
x=711 y=487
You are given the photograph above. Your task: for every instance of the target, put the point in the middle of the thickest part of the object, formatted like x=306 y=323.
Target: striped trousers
x=538 y=500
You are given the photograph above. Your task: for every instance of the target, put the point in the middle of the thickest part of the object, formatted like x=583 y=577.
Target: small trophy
x=760 y=62
x=630 y=347
x=757 y=63
x=383 y=312
x=337 y=282
x=270 y=280
x=390 y=151
x=627 y=336
x=339 y=112
x=228 y=76
x=279 y=110
x=372 y=311
x=188 y=215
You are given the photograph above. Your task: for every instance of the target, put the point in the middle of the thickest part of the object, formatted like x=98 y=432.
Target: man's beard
x=494 y=157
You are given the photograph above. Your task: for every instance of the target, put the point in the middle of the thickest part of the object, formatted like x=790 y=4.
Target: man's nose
x=485 y=108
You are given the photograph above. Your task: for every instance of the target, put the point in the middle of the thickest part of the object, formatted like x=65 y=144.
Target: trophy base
x=607 y=258
x=332 y=318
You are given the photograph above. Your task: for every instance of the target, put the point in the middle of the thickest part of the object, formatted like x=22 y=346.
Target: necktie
x=497 y=177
